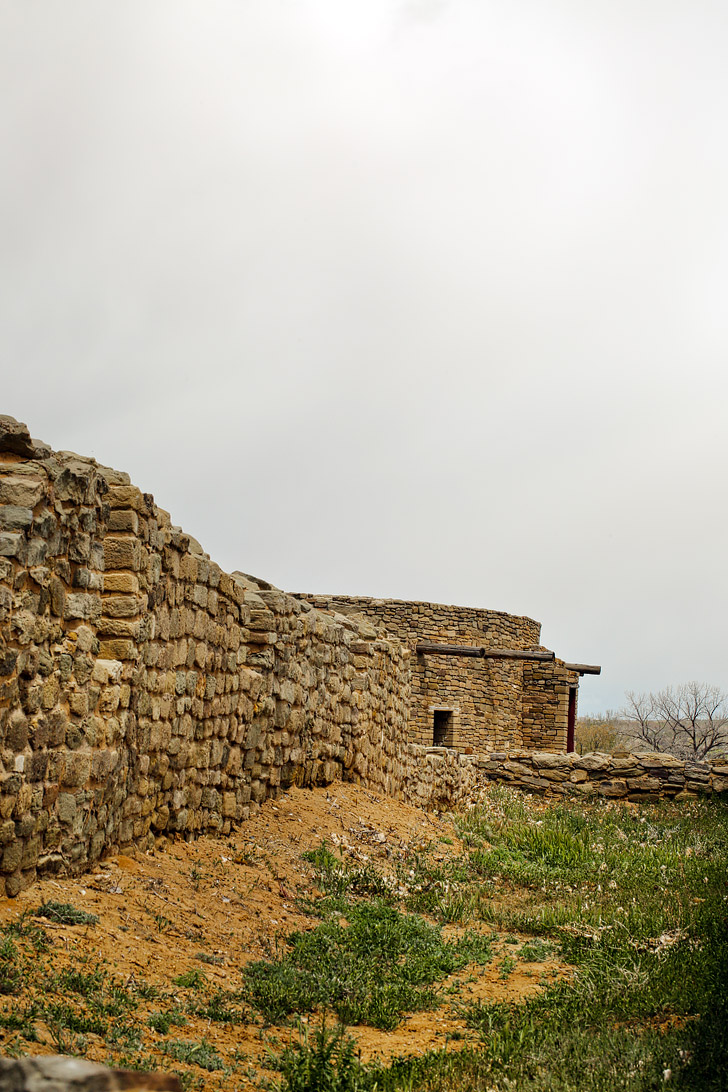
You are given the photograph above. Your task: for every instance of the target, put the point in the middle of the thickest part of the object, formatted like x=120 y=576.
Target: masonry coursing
x=494 y=703
x=145 y=692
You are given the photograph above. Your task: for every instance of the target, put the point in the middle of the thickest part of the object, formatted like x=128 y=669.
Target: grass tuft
x=65 y=914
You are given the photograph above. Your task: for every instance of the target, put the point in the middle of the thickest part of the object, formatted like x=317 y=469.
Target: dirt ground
x=232 y=900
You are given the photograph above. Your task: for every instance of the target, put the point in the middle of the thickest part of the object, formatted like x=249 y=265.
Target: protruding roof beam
x=431 y=648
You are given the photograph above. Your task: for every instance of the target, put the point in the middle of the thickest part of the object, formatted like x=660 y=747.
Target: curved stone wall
x=488 y=704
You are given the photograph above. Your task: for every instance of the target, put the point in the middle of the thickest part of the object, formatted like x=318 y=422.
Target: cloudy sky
x=412 y=298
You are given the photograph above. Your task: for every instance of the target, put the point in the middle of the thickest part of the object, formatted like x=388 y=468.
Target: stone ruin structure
x=144 y=692
x=480 y=680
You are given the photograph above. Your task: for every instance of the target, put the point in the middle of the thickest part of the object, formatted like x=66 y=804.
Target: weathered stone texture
x=143 y=691
x=493 y=703
x=59 y=1073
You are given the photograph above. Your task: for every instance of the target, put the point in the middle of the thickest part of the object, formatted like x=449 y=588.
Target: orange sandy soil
x=234 y=898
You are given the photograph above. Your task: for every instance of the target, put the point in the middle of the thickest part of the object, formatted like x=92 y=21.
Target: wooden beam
x=518 y=654
x=431 y=648
x=584 y=669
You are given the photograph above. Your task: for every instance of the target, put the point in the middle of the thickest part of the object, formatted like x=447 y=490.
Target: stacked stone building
x=144 y=691
x=480 y=680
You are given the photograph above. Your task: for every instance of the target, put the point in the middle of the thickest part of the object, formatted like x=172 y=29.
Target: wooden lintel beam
x=431 y=648
x=518 y=654
x=584 y=669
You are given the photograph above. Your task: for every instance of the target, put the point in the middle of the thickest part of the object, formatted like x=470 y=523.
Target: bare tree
x=690 y=721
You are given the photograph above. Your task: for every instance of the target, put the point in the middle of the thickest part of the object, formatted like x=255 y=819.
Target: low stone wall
x=635 y=777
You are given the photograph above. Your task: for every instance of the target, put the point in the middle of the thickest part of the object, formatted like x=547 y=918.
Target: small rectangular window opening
x=442 y=728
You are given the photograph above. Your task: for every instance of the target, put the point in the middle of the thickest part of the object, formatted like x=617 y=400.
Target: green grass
x=635 y=899
x=378 y=965
x=201 y=1054
x=65 y=914
x=77 y=1004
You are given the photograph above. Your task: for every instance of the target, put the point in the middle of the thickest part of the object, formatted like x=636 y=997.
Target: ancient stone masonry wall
x=143 y=690
x=488 y=704
x=439 y=779
x=634 y=777
x=545 y=708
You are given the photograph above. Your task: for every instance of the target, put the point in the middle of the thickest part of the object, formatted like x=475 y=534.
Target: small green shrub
x=223 y=1007
x=11 y=967
x=536 y=950
x=381 y=964
x=163 y=1021
x=324 y=1060
x=201 y=1054
x=190 y=980
x=65 y=914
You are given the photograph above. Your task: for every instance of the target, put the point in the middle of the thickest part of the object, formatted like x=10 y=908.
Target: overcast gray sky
x=419 y=299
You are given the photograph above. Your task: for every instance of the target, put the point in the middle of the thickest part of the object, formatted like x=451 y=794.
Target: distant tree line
x=689 y=721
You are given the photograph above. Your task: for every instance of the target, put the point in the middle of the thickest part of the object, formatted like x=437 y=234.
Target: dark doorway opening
x=571 y=720
x=442 y=728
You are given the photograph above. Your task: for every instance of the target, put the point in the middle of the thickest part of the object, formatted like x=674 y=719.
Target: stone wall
x=143 y=690
x=633 y=777
x=545 y=705
x=492 y=703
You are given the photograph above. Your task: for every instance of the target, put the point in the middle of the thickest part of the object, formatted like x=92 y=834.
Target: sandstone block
x=644 y=784
x=15 y=517
x=107 y=671
x=593 y=761
x=121 y=519
x=12 y=855
x=21 y=489
x=548 y=760
x=122 y=606
x=122 y=583
x=118 y=649
x=15 y=437
x=80 y=605
x=16 y=735
x=649 y=758
x=122 y=553
x=125 y=496
x=615 y=787
x=118 y=627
